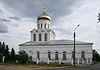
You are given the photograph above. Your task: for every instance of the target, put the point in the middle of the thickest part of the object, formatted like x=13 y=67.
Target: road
x=31 y=67
x=88 y=67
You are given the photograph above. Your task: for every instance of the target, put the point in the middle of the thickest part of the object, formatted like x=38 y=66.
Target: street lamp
x=74 y=44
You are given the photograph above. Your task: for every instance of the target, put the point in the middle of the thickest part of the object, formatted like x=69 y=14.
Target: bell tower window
x=41 y=25
x=45 y=25
x=45 y=37
x=39 y=37
x=34 y=37
x=48 y=26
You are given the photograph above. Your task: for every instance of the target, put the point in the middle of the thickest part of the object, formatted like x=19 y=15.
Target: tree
x=98 y=17
x=96 y=56
x=12 y=55
x=7 y=54
x=22 y=56
x=0 y=47
x=3 y=49
x=0 y=56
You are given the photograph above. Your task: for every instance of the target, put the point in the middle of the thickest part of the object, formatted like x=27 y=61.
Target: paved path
x=86 y=67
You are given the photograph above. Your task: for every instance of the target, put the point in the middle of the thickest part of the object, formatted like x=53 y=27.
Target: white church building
x=43 y=48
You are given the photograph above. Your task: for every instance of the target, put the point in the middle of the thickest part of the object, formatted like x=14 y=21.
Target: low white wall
x=32 y=51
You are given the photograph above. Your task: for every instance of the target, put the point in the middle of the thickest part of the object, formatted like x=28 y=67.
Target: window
x=38 y=55
x=34 y=37
x=64 y=55
x=45 y=25
x=48 y=26
x=39 y=37
x=41 y=25
x=56 y=55
x=49 y=55
x=45 y=37
x=83 y=55
x=73 y=55
x=30 y=58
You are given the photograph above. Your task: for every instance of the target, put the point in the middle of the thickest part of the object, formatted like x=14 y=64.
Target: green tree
x=13 y=55
x=0 y=56
x=98 y=17
x=7 y=54
x=3 y=49
x=96 y=56
x=22 y=56
x=0 y=47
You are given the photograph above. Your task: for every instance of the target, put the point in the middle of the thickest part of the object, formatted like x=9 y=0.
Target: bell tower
x=43 y=31
x=43 y=21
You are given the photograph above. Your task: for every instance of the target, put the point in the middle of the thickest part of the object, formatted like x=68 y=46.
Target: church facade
x=43 y=48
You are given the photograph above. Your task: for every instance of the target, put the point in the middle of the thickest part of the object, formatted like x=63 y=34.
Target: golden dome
x=44 y=16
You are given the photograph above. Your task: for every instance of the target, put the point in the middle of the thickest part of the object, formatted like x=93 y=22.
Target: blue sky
x=19 y=17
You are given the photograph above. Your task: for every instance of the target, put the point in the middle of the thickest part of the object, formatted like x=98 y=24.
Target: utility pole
x=74 y=44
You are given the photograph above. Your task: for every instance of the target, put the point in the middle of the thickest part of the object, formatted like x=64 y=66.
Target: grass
x=53 y=65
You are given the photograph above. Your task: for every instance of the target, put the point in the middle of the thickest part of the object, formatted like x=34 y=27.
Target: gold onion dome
x=44 y=16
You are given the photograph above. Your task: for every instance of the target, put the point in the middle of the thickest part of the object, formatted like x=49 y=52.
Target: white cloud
x=68 y=14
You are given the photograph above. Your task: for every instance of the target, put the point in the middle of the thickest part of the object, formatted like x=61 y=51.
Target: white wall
x=50 y=35
x=60 y=48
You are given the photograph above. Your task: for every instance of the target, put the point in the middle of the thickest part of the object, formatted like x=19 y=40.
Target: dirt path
x=30 y=67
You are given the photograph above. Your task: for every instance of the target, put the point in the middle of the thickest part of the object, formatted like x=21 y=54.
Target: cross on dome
x=43 y=10
x=44 y=16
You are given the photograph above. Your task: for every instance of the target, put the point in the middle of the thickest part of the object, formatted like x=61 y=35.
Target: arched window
x=30 y=58
x=41 y=25
x=83 y=55
x=34 y=37
x=38 y=55
x=48 y=26
x=39 y=37
x=45 y=37
x=49 y=55
x=56 y=55
x=64 y=55
x=45 y=25
x=73 y=55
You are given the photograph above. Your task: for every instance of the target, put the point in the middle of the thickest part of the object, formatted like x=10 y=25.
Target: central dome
x=44 y=16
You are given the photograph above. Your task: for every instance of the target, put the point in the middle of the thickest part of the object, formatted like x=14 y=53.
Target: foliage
x=12 y=55
x=96 y=56
x=4 y=51
x=22 y=57
x=53 y=65
x=98 y=17
x=7 y=54
x=0 y=56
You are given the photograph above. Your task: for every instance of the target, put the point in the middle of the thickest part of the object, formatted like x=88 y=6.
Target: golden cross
x=43 y=10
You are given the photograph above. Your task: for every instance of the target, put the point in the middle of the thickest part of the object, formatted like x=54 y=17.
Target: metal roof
x=53 y=42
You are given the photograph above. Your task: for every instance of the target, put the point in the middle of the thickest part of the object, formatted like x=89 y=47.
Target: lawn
x=33 y=64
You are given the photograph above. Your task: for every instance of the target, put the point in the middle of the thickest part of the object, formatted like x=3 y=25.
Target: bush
x=23 y=57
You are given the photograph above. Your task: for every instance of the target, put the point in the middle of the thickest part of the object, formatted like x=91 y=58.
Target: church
x=43 y=48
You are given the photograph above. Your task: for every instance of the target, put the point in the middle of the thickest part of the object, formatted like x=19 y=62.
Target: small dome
x=44 y=16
